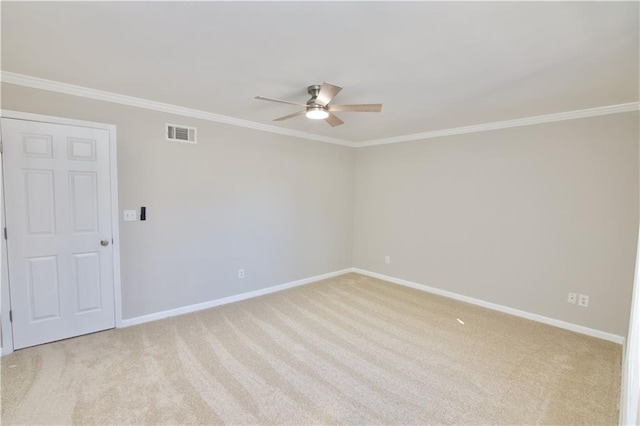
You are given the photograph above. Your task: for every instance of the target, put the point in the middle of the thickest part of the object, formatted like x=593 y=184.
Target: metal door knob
x=104 y=243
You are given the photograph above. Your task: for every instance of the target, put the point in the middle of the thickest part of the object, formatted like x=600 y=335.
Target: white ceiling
x=432 y=65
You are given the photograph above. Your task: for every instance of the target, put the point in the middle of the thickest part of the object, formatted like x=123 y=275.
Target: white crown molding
x=519 y=122
x=101 y=95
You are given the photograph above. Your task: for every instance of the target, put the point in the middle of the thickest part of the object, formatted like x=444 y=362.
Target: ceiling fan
x=318 y=107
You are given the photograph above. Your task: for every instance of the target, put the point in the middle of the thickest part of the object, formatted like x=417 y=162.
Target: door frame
x=5 y=301
x=630 y=393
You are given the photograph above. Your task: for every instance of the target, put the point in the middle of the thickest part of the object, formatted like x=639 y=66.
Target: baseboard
x=494 y=306
x=223 y=301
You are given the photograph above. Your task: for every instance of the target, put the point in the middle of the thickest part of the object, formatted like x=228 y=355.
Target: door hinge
x=10 y=316
x=1 y=147
x=5 y=232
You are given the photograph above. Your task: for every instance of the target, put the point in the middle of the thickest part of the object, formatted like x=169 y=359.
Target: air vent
x=183 y=134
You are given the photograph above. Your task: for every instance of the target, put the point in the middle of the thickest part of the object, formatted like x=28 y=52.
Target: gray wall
x=518 y=217
x=278 y=206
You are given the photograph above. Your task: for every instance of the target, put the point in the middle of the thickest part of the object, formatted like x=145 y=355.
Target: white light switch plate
x=129 y=215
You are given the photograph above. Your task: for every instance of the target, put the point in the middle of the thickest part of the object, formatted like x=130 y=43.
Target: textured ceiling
x=432 y=65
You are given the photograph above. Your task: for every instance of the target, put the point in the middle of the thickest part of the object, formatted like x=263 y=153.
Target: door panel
x=86 y=272
x=81 y=149
x=84 y=202
x=44 y=291
x=37 y=146
x=39 y=196
x=58 y=202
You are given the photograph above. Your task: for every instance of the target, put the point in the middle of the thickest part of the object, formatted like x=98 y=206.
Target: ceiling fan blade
x=333 y=120
x=327 y=92
x=286 y=117
x=357 y=108
x=262 y=98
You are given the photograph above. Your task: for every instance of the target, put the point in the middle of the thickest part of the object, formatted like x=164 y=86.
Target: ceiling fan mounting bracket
x=313 y=90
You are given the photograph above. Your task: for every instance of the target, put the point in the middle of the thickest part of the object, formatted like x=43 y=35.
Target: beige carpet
x=349 y=350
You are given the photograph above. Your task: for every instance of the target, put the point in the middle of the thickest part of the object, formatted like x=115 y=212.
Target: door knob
x=104 y=243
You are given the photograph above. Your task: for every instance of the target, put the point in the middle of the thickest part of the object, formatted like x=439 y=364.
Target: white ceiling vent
x=178 y=133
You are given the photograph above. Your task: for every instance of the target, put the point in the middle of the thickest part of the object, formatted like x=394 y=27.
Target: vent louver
x=184 y=134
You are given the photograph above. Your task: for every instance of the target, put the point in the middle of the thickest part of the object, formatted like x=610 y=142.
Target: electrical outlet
x=387 y=260
x=583 y=300
x=240 y=273
x=573 y=297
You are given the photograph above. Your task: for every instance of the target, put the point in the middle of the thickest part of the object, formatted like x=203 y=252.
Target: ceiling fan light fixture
x=316 y=113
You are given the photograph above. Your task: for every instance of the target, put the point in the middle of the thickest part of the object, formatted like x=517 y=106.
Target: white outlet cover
x=572 y=298
x=583 y=300
x=129 y=215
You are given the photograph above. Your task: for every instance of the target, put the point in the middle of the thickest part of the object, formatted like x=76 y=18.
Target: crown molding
x=101 y=95
x=519 y=122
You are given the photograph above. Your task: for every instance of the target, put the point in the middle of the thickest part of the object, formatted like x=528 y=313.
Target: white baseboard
x=235 y=298
x=238 y=297
x=494 y=306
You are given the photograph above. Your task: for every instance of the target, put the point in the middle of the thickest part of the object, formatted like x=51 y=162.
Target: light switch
x=129 y=215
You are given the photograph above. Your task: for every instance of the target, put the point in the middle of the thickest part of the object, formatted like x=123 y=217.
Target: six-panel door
x=58 y=217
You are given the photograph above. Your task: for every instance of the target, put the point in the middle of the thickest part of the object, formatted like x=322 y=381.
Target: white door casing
x=58 y=211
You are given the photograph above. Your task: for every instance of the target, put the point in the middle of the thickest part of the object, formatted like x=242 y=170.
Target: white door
x=58 y=218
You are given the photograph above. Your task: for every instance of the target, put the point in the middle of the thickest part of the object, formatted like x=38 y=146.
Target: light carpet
x=348 y=350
